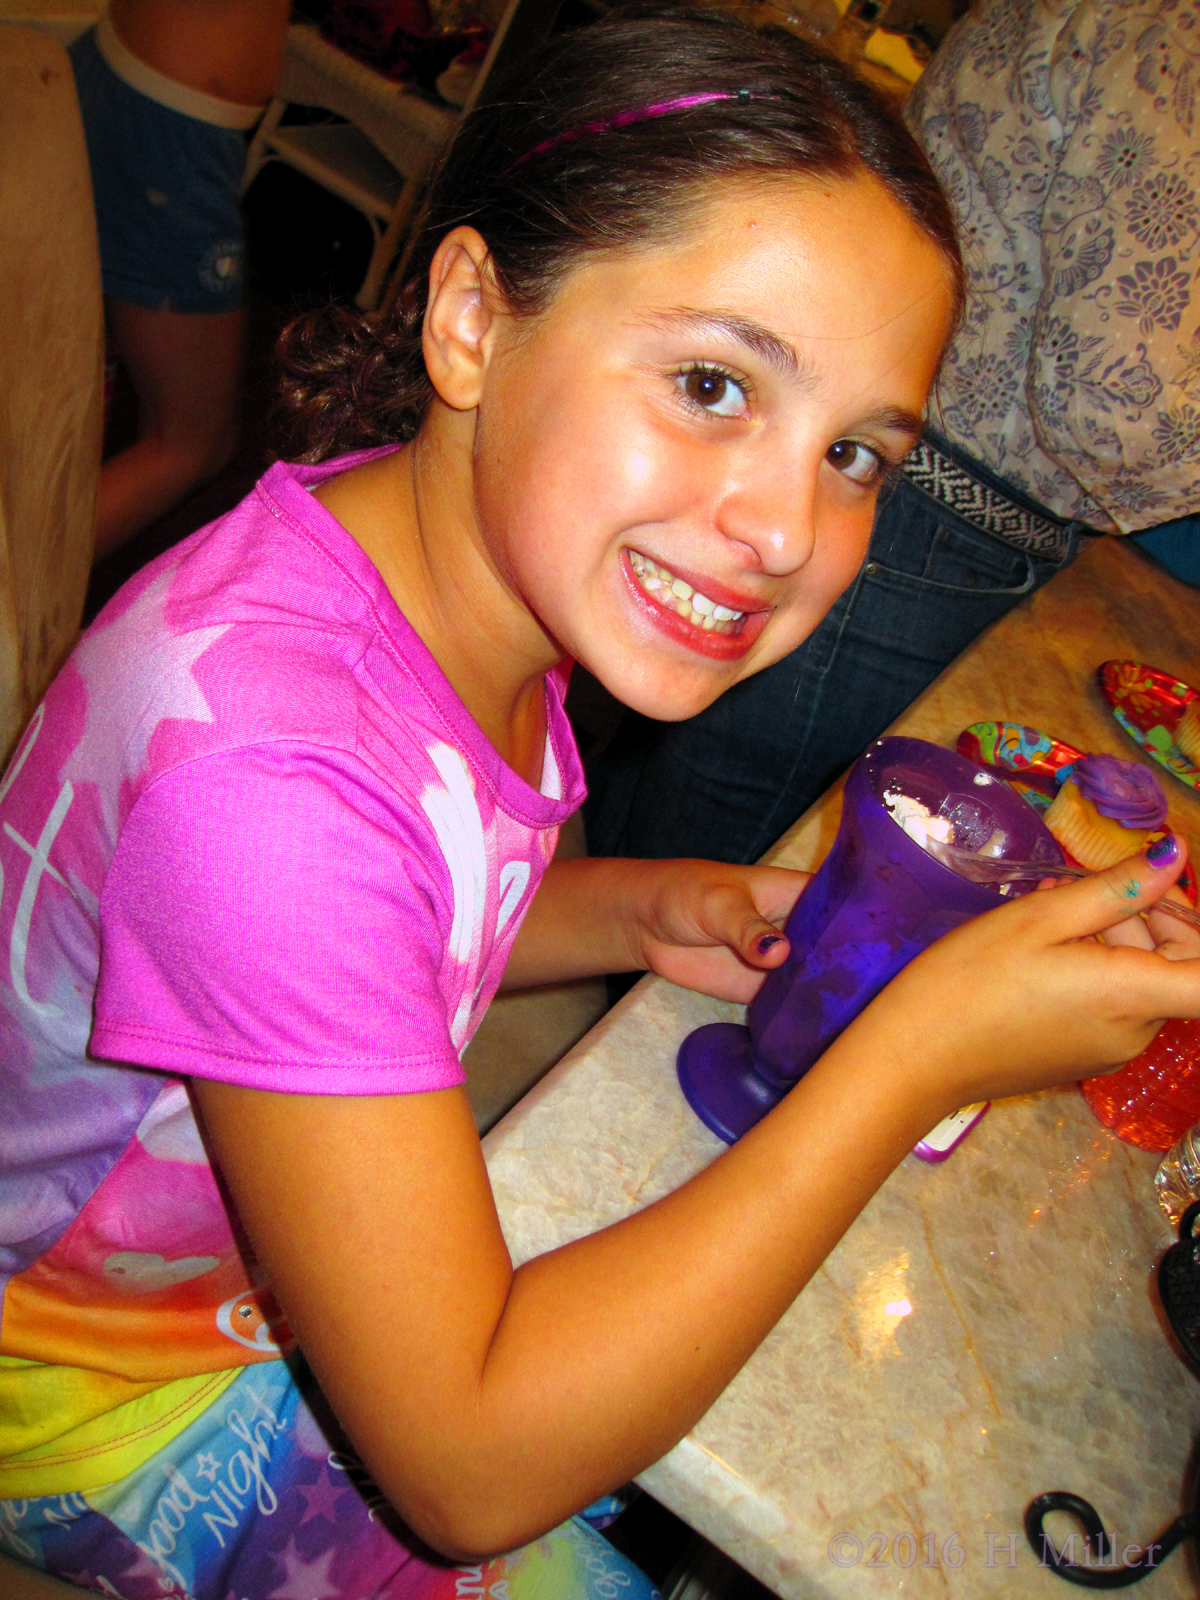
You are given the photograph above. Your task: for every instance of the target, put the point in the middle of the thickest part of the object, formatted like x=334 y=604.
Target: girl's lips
x=743 y=617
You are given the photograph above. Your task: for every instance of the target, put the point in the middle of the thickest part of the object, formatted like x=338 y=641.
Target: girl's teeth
x=679 y=595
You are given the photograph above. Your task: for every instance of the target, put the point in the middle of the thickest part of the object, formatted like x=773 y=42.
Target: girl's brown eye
x=706 y=388
x=714 y=391
x=855 y=461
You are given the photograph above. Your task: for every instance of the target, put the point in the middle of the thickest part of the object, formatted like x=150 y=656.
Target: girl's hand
x=713 y=927
x=701 y=924
x=1025 y=997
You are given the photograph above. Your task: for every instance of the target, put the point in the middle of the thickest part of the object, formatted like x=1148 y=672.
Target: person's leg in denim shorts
x=171 y=248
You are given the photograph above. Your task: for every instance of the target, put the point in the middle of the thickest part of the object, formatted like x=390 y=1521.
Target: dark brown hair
x=349 y=382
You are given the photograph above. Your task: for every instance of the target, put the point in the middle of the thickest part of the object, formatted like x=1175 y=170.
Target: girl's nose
x=775 y=519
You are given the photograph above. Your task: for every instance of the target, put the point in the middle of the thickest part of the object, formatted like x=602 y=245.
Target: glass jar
x=1177 y=1180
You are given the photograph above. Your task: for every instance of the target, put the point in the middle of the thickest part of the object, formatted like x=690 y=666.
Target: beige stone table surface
x=868 y=1449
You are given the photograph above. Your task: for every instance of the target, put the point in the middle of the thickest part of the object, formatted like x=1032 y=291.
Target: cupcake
x=1187 y=732
x=1105 y=810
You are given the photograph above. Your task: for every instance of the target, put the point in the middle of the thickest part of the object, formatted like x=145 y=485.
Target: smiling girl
x=286 y=820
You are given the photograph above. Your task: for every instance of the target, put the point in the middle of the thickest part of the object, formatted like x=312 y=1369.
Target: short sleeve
x=273 y=917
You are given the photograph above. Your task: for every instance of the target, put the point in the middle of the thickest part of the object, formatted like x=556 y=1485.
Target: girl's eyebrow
x=768 y=346
x=896 y=419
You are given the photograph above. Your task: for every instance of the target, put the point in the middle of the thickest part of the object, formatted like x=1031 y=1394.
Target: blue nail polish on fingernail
x=768 y=942
x=1163 y=852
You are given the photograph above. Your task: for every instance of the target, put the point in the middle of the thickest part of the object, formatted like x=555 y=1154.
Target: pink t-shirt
x=252 y=834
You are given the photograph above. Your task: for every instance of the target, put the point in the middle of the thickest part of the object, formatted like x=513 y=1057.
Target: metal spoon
x=992 y=869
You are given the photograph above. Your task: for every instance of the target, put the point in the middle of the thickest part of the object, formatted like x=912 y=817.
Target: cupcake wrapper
x=1096 y=842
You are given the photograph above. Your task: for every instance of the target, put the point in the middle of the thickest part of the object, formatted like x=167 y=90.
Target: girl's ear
x=462 y=317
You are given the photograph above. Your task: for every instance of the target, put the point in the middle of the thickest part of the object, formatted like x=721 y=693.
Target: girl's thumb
x=762 y=945
x=1107 y=898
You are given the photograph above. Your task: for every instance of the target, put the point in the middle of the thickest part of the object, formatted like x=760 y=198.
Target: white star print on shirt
x=158 y=685
x=454 y=813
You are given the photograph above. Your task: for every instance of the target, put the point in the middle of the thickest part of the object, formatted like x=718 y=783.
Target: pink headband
x=660 y=108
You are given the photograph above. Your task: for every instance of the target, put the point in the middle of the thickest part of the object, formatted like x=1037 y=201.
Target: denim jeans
x=725 y=784
x=1176 y=546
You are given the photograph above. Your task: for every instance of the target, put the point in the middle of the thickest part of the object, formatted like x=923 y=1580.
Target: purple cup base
x=716 y=1073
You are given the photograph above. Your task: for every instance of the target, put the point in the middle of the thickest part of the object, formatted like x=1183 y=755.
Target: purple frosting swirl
x=1122 y=790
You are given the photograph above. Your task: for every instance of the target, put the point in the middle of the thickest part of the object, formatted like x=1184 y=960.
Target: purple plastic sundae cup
x=877 y=901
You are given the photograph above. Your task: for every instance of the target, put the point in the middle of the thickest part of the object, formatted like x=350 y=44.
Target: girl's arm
x=699 y=923
x=490 y=1404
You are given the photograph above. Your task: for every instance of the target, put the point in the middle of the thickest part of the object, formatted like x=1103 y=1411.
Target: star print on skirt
x=260 y=1500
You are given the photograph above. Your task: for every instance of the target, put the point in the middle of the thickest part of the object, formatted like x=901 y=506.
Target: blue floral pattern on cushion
x=1067 y=135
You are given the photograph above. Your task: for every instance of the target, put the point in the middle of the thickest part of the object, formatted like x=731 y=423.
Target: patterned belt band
x=986 y=508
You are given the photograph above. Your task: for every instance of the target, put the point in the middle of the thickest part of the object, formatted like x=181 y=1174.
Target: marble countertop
x=988 y=1329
